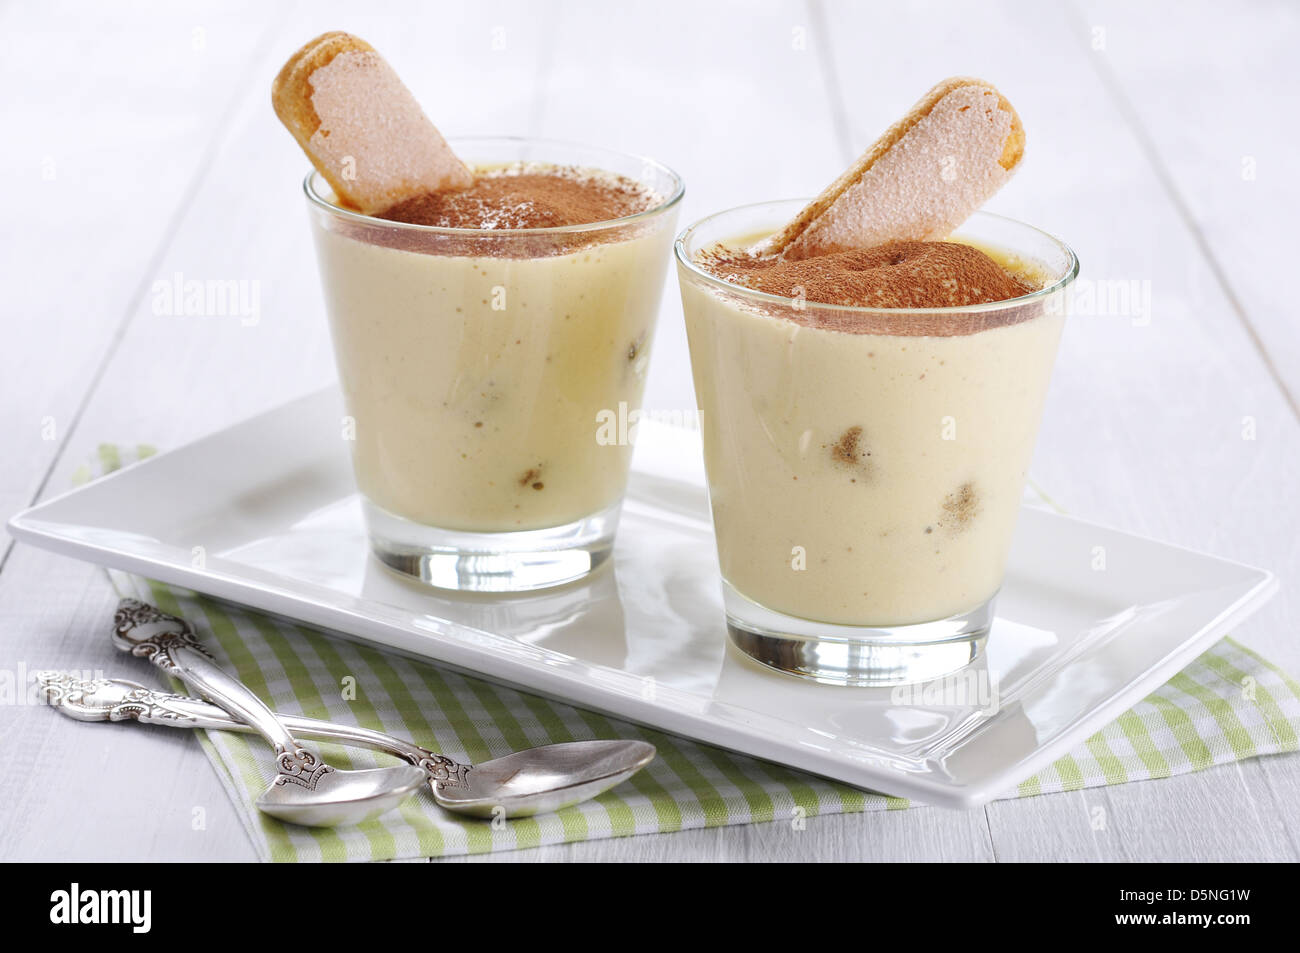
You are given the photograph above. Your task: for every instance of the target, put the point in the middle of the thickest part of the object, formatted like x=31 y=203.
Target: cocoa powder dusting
x=896 y=275
x=522 y=199
x=893 y=275
x=496 y=212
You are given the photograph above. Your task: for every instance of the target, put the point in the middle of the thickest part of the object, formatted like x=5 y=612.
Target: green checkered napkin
x=1227 y=705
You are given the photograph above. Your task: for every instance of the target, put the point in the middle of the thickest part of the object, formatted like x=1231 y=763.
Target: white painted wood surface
x=141 y=143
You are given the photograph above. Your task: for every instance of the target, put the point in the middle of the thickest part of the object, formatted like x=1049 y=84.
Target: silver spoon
x=521 y=784
x=305 y=789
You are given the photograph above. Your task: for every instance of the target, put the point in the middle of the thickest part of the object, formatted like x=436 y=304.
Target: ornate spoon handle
x=116 y=699
x=170 y=643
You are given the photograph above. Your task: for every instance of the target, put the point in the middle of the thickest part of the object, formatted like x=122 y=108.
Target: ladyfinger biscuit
x=920 y=180
x=360 y=125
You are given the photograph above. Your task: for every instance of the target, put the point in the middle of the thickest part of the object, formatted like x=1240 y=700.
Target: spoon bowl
x=341 y=797
x=547 y=778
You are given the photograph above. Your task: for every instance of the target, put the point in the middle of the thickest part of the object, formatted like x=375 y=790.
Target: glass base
x=856 y=655
x=492 y=562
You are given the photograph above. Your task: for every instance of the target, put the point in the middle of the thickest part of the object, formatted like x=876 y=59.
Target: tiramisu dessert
x=871 y=374
x=483 y=316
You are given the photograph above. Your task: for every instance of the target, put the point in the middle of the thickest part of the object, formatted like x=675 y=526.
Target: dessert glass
x=865 y=486
x=478 y=366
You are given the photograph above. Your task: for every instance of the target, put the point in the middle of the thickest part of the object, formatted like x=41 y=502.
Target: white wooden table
x=1162 y=146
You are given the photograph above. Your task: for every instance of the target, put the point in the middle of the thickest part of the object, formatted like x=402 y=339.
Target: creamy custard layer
x=475 y=382
x=866 y=479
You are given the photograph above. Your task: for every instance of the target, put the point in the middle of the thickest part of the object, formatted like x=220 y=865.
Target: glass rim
x=666 y=204
x=679 y=252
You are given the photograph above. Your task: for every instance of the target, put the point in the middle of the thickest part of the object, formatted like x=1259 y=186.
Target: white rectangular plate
x=272 y=502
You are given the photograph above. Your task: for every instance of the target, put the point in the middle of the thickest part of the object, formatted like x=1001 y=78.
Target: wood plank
x=106 y=142
x=95 y=792
x=1213 y=815
x=1210 y=102
x=922 y=835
